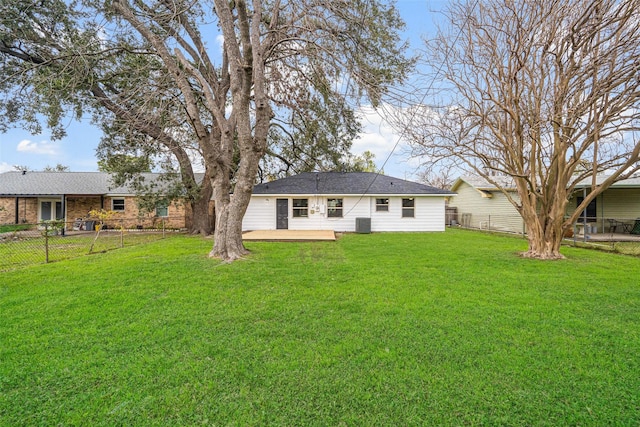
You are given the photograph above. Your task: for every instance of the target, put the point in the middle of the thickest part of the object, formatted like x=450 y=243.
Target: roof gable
x=344 y=183
x=484 y=185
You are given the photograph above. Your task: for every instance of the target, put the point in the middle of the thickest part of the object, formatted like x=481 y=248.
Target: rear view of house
x=341 y=201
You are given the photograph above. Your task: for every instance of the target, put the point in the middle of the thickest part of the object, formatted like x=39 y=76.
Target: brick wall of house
x=79 y=207
x=27 y=210
x=132 y=217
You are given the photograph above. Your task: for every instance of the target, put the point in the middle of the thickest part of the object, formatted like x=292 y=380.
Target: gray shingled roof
x=507 y=182
x=343 y=183
x=633 y=182
x=36 y=183
x=482 y=184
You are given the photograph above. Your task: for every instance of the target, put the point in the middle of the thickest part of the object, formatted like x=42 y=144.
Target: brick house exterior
x=33 y=197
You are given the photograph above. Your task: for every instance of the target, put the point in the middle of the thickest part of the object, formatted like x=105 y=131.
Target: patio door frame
x=54 y=208
x=282 y=214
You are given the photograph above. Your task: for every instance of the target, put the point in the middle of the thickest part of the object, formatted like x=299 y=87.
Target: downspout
x=64 y=212
x=17 y=210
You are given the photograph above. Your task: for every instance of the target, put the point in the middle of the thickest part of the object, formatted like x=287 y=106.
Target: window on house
x=117 y=205
x=382 y=205
x=162 y=209
x=334 y=208
x=300 y=208
x=408 y=208
x=592 y=211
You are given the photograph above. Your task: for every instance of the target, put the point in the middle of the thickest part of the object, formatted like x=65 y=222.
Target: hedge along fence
x=27 y=244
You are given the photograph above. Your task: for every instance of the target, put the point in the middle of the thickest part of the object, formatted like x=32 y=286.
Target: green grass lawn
x=383 y=329
x=10 y=228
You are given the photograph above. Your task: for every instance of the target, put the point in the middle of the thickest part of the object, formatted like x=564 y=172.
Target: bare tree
x=534 y=91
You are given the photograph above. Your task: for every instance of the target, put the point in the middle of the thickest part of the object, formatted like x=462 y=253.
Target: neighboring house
x=337 y=200
x=480 y=204
x=32 y=197
x=615 y=209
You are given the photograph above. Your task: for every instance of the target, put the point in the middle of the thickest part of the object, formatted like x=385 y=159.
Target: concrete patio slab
x=289 y=235
x=609 y=237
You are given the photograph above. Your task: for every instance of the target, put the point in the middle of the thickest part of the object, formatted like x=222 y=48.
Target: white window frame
x=382 y=207
x=300 y=211
x=55 y=213
x=409 y=209
x=336 y=209
x=113 y=205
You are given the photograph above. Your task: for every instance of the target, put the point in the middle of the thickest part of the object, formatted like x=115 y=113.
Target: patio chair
x=614 y=224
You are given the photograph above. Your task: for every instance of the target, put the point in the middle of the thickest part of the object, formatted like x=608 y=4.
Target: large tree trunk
x=543 y=213
x=201 y=221
x=227 y=244
x=544 y=243
x=227 y=240
x=230 y=210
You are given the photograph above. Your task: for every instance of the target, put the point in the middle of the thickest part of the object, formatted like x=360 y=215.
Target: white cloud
x=220 y=40
x=380 y=138
x=42 y=147
x=5 y=167
x=377 y=135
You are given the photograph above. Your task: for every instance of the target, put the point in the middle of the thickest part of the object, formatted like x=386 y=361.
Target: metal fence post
x=46 y=243
x=122 y=233
x=163 y=236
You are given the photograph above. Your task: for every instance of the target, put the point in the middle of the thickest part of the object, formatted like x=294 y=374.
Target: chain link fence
x=49 y=241
x=621 y=235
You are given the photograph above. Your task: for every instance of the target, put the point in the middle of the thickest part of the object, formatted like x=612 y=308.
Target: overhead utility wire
x=413 y=114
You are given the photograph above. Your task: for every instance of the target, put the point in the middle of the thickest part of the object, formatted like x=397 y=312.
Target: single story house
x=30 y=197
x=344 y=201
x=479 y=204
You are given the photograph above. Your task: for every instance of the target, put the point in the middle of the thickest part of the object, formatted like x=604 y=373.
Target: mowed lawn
x=384 y=329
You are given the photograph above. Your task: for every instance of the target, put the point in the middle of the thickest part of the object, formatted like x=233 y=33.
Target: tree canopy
x=546 y=93
x=156 y=79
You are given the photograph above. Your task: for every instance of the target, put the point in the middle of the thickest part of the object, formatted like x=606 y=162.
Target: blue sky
x=77 y=149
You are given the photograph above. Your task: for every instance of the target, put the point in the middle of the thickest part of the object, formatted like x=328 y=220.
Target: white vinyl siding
x=621 y=204
x=429 y=214
x=484 y=212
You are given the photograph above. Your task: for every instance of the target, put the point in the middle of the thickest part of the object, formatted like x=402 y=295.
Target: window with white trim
x=382 y=205
x=334 y=208
x=300 y=208
x=408 y=208
x=117 y=205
